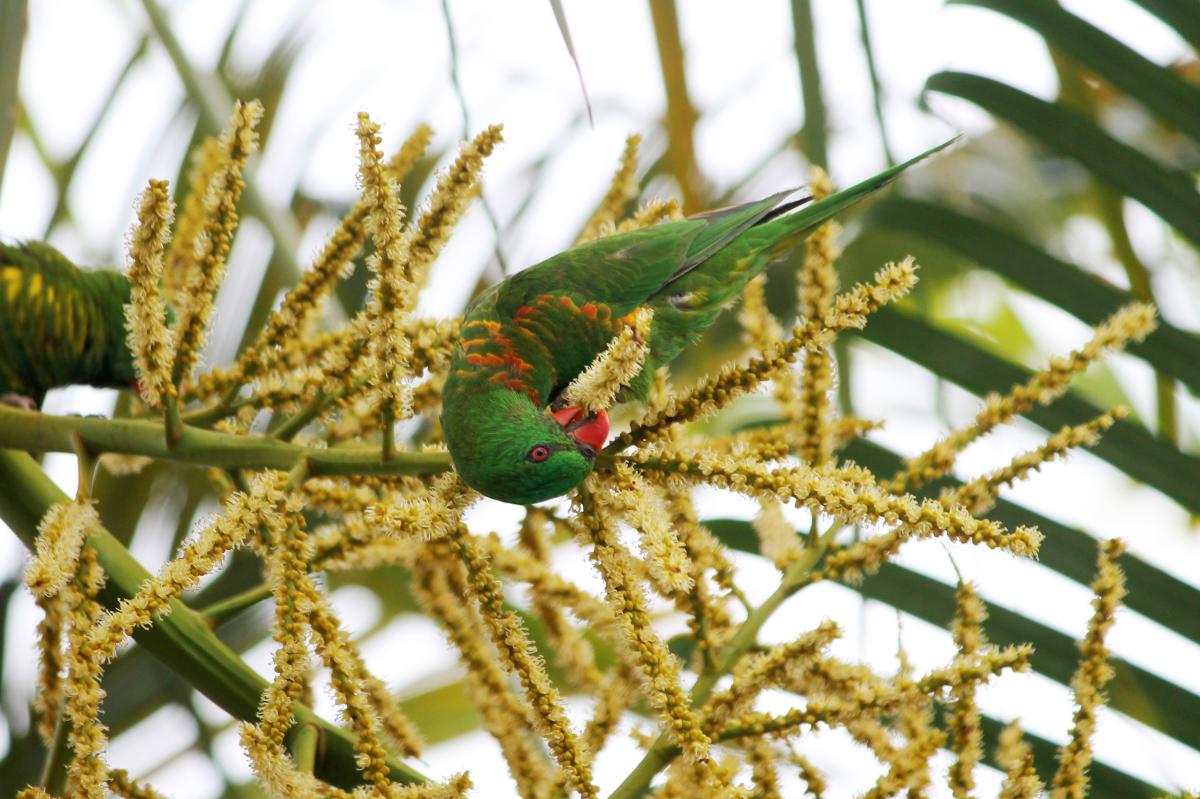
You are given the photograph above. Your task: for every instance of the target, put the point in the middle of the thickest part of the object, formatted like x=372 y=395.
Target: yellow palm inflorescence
x=331 y=459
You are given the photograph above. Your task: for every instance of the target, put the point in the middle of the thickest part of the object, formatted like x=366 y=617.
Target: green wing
x=535 y=331
x=625 y=270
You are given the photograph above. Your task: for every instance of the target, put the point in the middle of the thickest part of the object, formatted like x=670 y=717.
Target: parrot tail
x=787 y=227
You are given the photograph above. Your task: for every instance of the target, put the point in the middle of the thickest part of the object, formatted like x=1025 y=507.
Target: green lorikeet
x=59 y=325
x=525 y=339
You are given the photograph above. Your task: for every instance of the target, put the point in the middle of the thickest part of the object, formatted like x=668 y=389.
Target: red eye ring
x=539 y=453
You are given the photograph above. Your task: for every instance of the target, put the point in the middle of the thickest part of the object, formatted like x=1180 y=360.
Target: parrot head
x=508 y=448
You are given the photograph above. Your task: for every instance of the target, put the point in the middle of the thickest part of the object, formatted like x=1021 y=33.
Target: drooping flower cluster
x=332 y=462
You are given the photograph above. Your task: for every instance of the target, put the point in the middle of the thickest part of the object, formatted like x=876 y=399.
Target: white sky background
x=392 y=60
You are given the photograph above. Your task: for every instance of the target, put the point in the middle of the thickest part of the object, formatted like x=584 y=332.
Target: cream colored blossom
x=1092 y=674
x=1021 y=779
x=454 y=190
x=1133 y=322
x=646 y=511
x=596 y=387
x=392 y=291
x=849 y=310
x=777 y=539
x=150 y=341
x=439 y=585
x=216 y=240
x=660 y=670
x=651 y=212
x=60 y=536
x=521 y=660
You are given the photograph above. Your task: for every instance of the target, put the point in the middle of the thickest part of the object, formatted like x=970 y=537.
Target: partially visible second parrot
x=59 y=325
x=525 y=339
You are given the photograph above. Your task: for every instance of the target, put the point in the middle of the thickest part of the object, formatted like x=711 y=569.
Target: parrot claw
x=19 y=401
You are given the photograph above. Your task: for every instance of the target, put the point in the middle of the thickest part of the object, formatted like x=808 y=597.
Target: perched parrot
x=526 y=338
x=59 y=325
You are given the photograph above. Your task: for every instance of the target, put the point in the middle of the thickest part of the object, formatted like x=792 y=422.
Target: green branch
x=222 y=610
x=39 y=432
x=181 y=639
x=55 y=770
x=292 y=425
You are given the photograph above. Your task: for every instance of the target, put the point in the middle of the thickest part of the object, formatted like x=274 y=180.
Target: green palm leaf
x=1166 y=192
x=1180 y=15
x=1085 y=296
x=1158 y=89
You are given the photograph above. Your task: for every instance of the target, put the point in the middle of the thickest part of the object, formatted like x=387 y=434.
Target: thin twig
x=876 y=91
x=560 y=16
x=664 y=749
x=455 y=78
x=38 y=432
x=816 y=147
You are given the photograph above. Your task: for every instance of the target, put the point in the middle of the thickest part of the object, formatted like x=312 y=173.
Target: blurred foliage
x=1000 y=204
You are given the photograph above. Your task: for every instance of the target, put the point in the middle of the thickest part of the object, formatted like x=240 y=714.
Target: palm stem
x=13 y=17
x=223 y=407
x=38 y=432
x=54 y=773
x=388 y=448
x=1075 y=94
x=681 y=114
x=297 y=422
x=172 y=423
x=222 y=610
x=305 y=746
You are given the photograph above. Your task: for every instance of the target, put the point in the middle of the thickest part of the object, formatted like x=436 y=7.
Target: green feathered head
x=506 y=447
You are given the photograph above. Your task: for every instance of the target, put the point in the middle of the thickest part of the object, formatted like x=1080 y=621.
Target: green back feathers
x=59 y=324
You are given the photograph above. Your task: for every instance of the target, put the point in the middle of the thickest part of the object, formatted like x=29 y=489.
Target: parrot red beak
x=589 y=431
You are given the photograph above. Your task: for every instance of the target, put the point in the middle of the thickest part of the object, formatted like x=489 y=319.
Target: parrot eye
x=539 y=453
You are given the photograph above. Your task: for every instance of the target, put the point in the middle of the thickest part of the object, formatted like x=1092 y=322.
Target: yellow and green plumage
x=59 y=325
x=525 y=339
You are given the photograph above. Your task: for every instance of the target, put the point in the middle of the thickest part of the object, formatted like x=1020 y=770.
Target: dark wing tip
x=783 y=208
x=776 y=198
